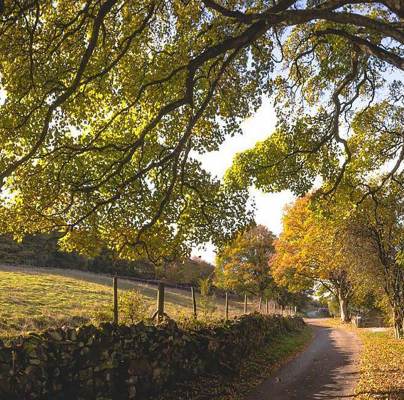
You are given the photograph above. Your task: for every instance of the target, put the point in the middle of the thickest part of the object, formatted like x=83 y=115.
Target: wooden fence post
x=193 y=301
x=267 y=306
x=160 y=303
x=226 y=307
x=115 y=284
x=245 y=304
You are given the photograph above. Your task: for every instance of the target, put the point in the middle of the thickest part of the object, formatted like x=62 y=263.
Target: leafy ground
x=382 y=363
x=249 y=374
x=35 y=299
x=382 y=366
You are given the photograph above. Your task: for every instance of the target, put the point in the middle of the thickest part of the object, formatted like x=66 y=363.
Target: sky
x=269 y=206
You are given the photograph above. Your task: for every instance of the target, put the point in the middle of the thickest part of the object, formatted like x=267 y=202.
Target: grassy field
x=35 y=299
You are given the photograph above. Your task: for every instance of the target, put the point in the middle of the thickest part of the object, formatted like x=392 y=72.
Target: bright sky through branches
x=269 y=207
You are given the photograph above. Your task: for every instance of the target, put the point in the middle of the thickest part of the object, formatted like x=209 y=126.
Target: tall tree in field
x=242 y=264
x=310 y=251
x=103 y=104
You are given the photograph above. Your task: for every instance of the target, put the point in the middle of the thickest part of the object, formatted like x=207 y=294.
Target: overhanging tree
x=376 y=227
x=105 y=103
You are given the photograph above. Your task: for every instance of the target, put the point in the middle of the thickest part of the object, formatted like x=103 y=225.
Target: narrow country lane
x=327 y=369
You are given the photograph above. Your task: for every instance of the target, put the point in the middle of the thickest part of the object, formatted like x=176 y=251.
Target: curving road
x=327 y=369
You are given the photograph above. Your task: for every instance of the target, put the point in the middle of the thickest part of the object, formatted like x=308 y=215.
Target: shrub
x=102 y=314
x=207 y=300
x=133 y=307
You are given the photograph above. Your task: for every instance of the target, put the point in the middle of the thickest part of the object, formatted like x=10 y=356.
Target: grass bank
x=36 y=299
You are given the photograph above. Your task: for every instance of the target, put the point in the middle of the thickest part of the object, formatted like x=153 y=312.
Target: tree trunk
x=343 y=307
x=398 y=323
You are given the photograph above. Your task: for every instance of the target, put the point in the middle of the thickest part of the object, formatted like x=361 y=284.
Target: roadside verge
x=381 y=363
x=250 y=372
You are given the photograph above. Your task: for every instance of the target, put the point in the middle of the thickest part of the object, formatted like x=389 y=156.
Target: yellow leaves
x=128 y=98
x=376 y=129
x=308 y=249
x=81 y=241
x=382 y=366
x=242 y=264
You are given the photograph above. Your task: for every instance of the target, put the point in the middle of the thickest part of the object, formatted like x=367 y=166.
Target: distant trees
x=189 y=271
x=44 y=251
x=242 y=265
x=310 y=252
x=353 y=247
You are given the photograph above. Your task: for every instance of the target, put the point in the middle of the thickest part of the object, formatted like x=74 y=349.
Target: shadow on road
x=327 y=369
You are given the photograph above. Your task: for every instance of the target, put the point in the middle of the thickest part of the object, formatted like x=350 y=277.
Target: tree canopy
x=242 y=264
x=106 y=102
x=311 y=252
x=376 y=230
x=354 y=250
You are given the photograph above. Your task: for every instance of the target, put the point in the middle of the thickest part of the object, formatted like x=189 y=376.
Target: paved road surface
x=327 y=369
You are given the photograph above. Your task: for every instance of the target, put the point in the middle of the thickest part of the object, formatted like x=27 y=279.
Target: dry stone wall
x=128 y=362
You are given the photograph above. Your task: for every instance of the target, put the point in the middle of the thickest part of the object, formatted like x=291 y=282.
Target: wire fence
x=233 y=305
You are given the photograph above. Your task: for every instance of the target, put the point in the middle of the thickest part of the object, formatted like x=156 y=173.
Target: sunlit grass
x=35 y=299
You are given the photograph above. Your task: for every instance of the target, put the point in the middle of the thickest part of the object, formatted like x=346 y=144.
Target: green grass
x=35 y=299
x=250 y=373
x=264 y=363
